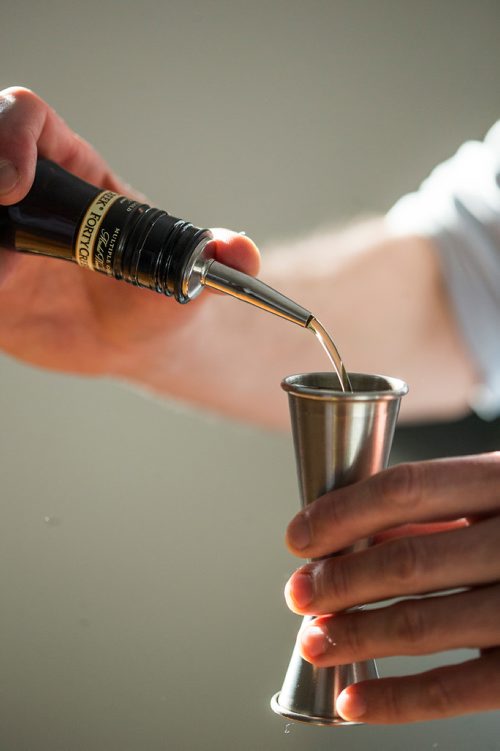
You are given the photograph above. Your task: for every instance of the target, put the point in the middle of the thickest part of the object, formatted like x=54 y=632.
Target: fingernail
x=299 y=533
x=350 y=704
x=9 y=176
x=314 y=641
x=300 y=591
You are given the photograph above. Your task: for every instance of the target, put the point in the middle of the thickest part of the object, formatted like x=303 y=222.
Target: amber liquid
x=331 y=350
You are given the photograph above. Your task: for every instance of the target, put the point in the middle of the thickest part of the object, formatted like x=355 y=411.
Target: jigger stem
x=340 y=438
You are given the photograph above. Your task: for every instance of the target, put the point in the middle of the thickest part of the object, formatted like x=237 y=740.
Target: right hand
x=56 y=315
x=444 y=571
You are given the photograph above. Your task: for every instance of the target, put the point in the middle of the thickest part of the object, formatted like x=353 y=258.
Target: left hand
x=60 y=317
x=410 y=562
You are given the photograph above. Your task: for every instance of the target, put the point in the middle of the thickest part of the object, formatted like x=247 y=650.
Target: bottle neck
x=65 y=217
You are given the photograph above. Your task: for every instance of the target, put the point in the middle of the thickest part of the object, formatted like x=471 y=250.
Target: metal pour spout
x=225 y=279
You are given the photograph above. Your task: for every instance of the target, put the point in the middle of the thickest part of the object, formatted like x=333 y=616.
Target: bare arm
x=383 y=301
x=381 y=298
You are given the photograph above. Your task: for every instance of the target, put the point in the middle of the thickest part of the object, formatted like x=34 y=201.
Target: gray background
x=141 y=555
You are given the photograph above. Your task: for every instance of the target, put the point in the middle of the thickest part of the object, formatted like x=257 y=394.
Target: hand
x=61 y=317
x=435 y=556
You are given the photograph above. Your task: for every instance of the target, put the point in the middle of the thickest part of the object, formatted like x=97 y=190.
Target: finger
x=468 y=619
x=28 y=128
x=236 y=250
x=410 y=565
x=472 y=686
x=416 y=492
x=411 y=530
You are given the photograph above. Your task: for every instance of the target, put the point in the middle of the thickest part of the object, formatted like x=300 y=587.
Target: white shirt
x=458 y=207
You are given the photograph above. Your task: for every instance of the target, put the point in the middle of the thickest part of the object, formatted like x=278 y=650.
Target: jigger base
x=306 y=718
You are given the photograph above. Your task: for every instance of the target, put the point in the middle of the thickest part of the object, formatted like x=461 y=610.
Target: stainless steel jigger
x=339 y=438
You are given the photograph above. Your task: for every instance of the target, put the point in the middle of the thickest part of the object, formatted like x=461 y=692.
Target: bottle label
x=95 y=241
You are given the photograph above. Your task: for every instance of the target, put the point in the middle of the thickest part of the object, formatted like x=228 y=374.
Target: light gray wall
x=141 y=555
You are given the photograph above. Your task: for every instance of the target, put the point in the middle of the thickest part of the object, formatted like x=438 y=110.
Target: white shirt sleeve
x=458 y=206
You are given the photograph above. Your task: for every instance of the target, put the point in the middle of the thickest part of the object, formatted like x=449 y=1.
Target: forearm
x=365 y=286
x=382 y=298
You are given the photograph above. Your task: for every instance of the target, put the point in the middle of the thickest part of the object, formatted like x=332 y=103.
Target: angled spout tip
x=251 y=290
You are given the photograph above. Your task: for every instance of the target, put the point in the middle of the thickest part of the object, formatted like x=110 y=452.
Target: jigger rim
x=326 y=386
x=307 y=719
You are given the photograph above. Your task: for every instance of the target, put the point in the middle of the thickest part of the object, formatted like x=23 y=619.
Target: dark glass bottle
x=65 y=217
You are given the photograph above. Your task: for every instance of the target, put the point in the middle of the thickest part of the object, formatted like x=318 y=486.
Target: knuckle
x=392 y=702
x=330 y=513
x=400 y=485
x=335 y=581
x=23 y=104
x=21 y=93
x=437 y=695
x=410 y=624
x=402 y=562
x=6 y=101
x=353 y=637
x=15 y=95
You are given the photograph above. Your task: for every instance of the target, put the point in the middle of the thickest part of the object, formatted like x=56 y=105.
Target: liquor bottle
x=65 y=217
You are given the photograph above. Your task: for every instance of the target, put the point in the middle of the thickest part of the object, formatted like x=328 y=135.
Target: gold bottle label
x=90 y=240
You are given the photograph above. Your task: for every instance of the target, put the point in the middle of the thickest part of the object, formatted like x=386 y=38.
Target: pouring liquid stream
x=331 y=350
